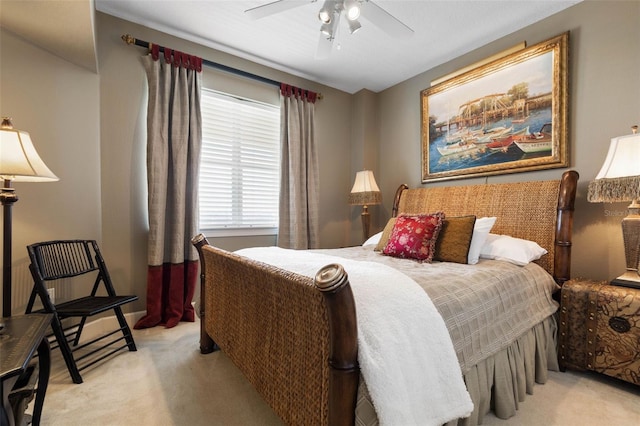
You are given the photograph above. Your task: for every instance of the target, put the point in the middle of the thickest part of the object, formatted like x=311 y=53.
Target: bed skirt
x=506 y=377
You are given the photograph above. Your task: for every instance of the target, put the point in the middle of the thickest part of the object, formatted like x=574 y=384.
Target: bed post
x=333 y=282
x=564 y=226
x=396 y=199
x=207 y=345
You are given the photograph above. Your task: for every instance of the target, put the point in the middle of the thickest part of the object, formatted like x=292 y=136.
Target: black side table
x=21 y=336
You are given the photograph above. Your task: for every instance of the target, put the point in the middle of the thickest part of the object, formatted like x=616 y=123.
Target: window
x=240 y=165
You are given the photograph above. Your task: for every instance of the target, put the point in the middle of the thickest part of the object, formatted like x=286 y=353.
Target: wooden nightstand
x=599 y=329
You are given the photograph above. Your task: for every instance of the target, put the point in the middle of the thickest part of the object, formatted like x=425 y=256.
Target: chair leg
x=76 y=340
x=65 y=349
x=125 y=329
x=32 y=300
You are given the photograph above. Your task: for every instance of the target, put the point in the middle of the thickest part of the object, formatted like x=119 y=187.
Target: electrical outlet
x=52 y=294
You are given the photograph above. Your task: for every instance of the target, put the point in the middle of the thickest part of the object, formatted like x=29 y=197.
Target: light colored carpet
x=168 y=382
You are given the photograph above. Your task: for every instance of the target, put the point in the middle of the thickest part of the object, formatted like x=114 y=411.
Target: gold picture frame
x=507 y=116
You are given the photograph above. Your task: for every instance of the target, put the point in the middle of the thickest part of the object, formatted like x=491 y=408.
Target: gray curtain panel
x=299 y=188
x=174 y=138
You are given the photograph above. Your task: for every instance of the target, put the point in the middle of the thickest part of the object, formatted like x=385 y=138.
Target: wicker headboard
x=540 y=211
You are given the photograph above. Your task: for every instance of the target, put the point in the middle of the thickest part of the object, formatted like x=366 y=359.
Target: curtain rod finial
x=128 y=38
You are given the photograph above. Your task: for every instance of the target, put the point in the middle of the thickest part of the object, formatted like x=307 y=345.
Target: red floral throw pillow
x=415 y=236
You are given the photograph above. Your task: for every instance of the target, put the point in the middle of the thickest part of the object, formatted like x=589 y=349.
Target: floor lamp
x=619 y=180
x=365 y=192
x=19 y=162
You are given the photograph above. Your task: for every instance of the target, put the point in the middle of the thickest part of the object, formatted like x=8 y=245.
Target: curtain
x=299 y=189
x=174 y=138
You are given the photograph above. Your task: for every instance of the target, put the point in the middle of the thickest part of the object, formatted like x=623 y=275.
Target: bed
x=295 y=336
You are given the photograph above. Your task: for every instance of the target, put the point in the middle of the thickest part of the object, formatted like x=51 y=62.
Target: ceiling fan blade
x=384 y=20
x=272 y=8
x=325 y=45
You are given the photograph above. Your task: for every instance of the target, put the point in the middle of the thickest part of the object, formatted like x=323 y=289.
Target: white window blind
x=240 y=164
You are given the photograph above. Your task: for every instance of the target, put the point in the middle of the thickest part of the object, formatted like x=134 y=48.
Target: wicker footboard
x=293 y=337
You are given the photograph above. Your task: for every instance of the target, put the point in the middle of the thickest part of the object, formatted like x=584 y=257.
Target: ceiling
x=64 y=28
x=369 y=59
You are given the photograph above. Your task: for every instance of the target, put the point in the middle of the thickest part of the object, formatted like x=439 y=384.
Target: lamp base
x=631 y=239
x=628 y=279
x=366 y=220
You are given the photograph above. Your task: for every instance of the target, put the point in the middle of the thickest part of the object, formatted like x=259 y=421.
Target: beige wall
x=604 y=94
x=57 y=103
x=364 y=154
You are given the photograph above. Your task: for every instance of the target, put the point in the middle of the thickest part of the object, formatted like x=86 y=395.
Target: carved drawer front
x=600 y=329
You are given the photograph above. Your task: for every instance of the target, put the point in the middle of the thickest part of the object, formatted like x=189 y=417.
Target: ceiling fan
x=330 y=14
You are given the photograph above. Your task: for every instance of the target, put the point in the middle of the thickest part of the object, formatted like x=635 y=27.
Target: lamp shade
x=365 y=191
x=619 y=177
x=19 y=160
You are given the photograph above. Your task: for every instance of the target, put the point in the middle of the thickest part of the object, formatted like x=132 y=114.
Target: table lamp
x=20 y=162
x=619 y=180
x=365 y=192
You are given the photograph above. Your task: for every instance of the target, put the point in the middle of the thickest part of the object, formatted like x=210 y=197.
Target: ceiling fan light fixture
x=327 y=29
x=324 y=17
x=352 y=9
x=354 y=25
x=326 y=13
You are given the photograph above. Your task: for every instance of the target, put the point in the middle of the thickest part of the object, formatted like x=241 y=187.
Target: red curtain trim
x=170 y=290
x=292 y=91
x=177 y=58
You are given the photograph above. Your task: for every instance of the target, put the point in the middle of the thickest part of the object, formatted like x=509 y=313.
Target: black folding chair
x=68 y=260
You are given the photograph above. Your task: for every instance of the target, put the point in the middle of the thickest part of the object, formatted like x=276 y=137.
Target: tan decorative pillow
x=386 y=233
x=455 y=239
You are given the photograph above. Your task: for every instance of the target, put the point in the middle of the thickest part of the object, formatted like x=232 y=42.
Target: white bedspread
x=412 y=371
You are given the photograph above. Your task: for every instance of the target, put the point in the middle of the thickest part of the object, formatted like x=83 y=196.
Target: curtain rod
x=129 y=39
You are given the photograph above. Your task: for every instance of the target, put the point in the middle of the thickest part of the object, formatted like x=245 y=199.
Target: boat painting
x=466 y=139
x=520 y=120
x=467 y=149
x=493 y=133
x=455 y=148
x=473 y=122
x=536 y=142
x=503 y=143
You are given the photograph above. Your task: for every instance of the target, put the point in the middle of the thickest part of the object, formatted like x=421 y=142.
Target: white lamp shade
x=619 y=178
x=623 y=158
x=19 y=160
x=365 y=182
x=365 y=189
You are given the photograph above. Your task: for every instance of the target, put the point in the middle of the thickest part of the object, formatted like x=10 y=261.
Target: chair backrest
x=64 y=258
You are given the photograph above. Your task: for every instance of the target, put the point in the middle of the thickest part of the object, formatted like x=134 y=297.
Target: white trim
x=239 y=232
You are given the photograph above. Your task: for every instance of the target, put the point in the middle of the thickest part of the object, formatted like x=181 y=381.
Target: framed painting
x=507 y=116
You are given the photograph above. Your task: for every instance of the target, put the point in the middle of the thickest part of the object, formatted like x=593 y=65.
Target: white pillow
x=374 y=239
x=480 y=232
x=514 y=250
